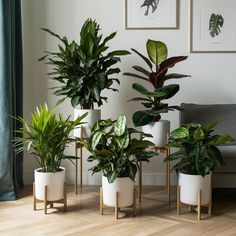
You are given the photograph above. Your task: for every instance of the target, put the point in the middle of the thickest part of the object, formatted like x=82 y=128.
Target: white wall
x=213 y=75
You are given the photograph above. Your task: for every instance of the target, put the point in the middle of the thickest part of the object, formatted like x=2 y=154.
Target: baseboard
x=149 y=178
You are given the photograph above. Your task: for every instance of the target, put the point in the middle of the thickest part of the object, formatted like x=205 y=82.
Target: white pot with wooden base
x=159 y=130
x=49 y=188
x=120 y=193
x=90 y=120
x=194 y=191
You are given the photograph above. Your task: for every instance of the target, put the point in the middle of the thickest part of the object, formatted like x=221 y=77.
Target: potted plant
x=118 y=155
x=156 y=75
x=46 y=138
x=196 y=158
x=84 y=71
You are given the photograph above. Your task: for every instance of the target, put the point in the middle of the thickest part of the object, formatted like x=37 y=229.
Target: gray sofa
x=224 y=176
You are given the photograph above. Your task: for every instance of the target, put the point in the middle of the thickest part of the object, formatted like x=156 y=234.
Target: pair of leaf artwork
x=216 y=21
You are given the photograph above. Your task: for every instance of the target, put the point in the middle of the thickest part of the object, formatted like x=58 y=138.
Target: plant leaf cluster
x=198 y=152
x=84 y=70
x=46 y=137
x=117 y=152
x=156 y=74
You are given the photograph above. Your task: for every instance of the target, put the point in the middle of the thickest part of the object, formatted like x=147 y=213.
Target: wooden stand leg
x=51 y=204
x=134 y=202
x=45 y=198
x=76 y=168
x=34 y=198
x=210 y=203
x=116 y=206
x=140 y=182
x=101 y=202
x=199 y=205
x=65 y=197
x=168 y=176
x=178 y=200
x=81 y=158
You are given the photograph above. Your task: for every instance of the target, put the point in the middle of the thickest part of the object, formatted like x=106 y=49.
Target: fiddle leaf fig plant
x=116 y=149
x=156 y=74
x=84 y=70
x=198 y=153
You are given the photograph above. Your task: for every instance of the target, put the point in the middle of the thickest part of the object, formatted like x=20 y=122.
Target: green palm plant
x=84 y=70
x=46 y=137
x=156 y=75
x=117 y=152
x=198 y=154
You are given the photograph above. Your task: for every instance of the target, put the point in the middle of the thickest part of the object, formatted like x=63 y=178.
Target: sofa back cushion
x=204 y=114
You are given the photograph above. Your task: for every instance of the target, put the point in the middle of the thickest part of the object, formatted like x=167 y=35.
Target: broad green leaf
x=181 y=132
x=168 y=90
x=96 y=138
x=120 y=125
x=157 y=51
x=122 y=141
x=198 y=134
x=222 y=139
x=210 y=126
x=141 y=118
x=112 y=176
x=144 y=91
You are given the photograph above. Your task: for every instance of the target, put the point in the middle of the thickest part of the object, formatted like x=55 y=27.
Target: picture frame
x=212 y=26
x=151 y=14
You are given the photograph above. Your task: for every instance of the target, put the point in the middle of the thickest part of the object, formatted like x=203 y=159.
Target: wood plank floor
x=155 y=216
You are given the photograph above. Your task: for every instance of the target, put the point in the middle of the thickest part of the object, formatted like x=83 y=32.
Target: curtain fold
x=11 y=167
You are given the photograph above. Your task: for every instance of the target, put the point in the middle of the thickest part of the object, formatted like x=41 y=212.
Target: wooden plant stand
x=198 y=206
x=166 y=151
x=117 y=208
x=46 y=202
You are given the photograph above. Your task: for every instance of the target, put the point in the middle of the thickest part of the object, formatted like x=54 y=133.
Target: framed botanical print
x=213 y=26
x=151 y=14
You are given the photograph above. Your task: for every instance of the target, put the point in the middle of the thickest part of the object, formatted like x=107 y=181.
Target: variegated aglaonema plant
x=117 y=152
x=158 y=65
x=198 y=153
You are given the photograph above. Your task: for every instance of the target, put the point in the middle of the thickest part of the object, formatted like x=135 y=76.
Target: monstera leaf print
x=150 y=3
x=215 y=24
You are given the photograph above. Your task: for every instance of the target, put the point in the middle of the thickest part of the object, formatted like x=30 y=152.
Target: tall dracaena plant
x=84 y=70
x=158 y=65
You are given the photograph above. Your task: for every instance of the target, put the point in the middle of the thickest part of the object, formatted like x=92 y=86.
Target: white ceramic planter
x=190 y=186
x=53 y=181
x=125 y=188
x=159 y=130
x=90 y=119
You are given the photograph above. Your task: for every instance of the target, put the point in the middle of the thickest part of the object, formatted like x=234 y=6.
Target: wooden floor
x=155 y=216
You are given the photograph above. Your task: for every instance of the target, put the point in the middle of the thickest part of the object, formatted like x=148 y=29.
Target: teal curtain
x=11 y=167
